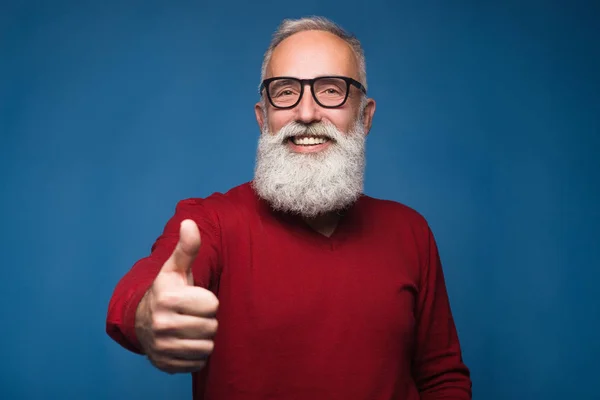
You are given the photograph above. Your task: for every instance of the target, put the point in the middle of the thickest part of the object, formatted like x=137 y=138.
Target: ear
x=260 y=115
x=368 y=113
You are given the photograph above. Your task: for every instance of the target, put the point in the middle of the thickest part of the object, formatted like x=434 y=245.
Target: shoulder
x=390 y=212
x=234 y=198
x=219 y=210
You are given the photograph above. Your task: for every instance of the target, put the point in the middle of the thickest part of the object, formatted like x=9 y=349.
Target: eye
x=285 y=92
x=331 y=91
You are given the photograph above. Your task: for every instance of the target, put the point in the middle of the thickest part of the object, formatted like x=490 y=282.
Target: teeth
x=307 y=141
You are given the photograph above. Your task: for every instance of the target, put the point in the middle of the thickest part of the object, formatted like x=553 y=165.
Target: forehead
x=313 y=53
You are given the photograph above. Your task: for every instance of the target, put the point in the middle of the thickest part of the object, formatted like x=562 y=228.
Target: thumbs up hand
x=175 y=321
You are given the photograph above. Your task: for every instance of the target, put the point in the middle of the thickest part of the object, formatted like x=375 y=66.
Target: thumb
x=186 y=250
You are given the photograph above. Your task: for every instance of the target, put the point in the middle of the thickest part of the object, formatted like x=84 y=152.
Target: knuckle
x=161 y=323
x=160 y=346
x=168 y=299
x=151 y=347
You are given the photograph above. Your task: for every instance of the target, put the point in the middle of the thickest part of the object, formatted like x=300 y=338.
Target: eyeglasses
x=328 y=91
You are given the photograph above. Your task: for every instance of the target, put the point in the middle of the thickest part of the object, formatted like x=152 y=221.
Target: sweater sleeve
x=439 y=370
x=120 y=321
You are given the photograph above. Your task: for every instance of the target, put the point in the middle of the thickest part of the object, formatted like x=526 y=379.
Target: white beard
x=311 y=184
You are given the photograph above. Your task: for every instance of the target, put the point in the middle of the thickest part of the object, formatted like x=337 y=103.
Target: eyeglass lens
x=330 y=92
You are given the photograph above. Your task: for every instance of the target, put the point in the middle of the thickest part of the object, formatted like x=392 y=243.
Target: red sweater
x=363 y=314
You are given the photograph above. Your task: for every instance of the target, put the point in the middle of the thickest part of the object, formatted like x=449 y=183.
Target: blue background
x=487 y=123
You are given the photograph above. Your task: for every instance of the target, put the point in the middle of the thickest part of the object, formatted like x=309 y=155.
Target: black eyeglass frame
x=303 y=82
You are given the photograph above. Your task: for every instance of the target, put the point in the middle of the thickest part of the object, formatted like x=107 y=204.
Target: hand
x=175 y=321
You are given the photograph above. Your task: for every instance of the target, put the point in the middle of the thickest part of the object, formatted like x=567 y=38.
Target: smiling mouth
x=308 y=140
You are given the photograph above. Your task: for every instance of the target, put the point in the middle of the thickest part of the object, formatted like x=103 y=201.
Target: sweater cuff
x=128 y=323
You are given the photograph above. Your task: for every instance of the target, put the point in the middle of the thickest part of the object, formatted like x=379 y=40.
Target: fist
x=175 y=321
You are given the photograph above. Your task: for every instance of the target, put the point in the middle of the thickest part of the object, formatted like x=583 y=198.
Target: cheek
x=278 y=119
x=342 y=119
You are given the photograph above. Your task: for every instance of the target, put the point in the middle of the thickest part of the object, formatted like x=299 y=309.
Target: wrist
x=141 y=320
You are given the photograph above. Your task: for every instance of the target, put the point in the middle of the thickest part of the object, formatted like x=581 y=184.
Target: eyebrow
x=280 y=82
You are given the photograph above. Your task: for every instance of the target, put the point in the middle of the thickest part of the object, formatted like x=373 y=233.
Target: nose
x=308 y=111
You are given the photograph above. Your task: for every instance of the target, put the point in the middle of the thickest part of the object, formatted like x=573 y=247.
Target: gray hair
x=291 y=26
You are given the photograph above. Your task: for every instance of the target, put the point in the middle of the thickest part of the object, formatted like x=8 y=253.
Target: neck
x=324 y=224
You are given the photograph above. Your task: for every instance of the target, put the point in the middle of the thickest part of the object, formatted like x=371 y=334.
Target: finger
x=184 y=327
x=190 y=300
x=186 y=250
x=185 y=349
x=197 y=301
x=174 y=365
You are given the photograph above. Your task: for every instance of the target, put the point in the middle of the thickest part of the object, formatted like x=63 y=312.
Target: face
x=310 y=159
x=311 y=54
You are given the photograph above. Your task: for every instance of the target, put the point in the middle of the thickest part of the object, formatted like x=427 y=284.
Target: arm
x=120 y=322
x=438 y=366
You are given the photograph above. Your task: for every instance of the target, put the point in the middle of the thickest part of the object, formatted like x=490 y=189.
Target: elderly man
x=319 y=291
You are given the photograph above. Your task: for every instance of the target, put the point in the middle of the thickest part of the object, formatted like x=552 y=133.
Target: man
x=318 y=291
